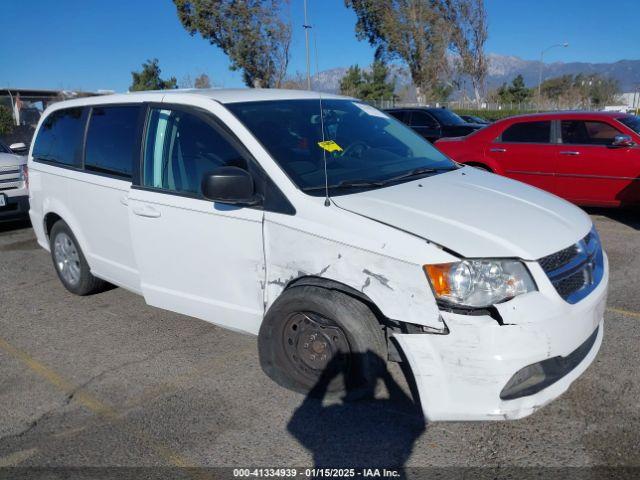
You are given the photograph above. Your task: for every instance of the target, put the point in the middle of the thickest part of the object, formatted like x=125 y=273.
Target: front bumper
x=17 y=208
x=460 y=375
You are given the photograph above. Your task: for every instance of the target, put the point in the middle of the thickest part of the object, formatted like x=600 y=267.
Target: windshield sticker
x=368 y=109
x=330 y=146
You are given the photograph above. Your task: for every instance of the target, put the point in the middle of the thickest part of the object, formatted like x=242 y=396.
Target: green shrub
x=6 y=120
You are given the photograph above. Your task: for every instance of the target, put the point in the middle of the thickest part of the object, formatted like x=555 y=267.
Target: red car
x=586 y=158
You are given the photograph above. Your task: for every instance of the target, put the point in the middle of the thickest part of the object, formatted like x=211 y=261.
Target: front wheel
x=323 y=342
x=71 y=266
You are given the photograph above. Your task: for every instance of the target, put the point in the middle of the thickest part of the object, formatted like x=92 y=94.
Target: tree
x=352 y=81
x=469 y=37
x=417 y=31
x=6 y=120
x=202 y=81
x=517 y=92
x=149 y=78
x=368 y=85
x=250 y=32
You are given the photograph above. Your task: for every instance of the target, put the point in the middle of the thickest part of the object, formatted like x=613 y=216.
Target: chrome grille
x=576 y=270
x=10 y=178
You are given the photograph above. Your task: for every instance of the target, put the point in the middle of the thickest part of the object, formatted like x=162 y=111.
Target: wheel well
x=49 y=220
x=481 y=165
x=390 y=326
x=341 y=287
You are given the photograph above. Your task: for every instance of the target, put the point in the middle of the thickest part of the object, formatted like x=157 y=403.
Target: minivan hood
x=475 y=214
x=11 y=160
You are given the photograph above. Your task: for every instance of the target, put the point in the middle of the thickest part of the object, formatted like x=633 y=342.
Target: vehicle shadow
x=12 y=225
x=360 y=429
x=629 y=216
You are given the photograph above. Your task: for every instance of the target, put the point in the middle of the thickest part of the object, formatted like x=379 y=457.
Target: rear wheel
x=312 y=333
x=69 y=262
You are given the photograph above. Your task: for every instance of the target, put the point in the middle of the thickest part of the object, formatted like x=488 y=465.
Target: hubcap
x=67 y=259
x=311 y=341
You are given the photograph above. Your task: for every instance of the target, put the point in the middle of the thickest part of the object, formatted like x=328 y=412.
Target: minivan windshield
x=364 y=147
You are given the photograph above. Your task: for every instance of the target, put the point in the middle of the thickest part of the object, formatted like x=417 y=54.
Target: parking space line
x=16 y=458
x=622 y=311
x=88 y=401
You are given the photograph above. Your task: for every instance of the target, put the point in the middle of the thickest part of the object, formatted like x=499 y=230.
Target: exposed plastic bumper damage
x=460 y=376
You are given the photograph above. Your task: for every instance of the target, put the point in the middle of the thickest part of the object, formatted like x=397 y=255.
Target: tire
x=69 y=262
x=306 y=317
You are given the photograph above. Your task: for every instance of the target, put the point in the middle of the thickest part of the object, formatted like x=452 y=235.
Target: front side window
x=364 y=147
x=528 y=132
x=111 y=140
x=4 y=148
x=422 y=119
x=59 y=139
x=587 y=133
x=181 y=147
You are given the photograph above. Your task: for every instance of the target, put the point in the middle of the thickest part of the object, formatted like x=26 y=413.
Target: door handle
x=124 y=200
x=570 y=152
x=146 y=211
x=498 y=150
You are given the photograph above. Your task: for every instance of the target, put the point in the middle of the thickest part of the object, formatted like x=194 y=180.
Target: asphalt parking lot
x=105 y=380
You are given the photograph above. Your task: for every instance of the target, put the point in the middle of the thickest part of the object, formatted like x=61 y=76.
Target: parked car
x=327 y=228
x=589 y=158
x=14 y=196
x=434 y=123
x=475 y=119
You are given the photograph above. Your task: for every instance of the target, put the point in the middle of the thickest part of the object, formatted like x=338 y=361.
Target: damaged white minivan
x=330 y=230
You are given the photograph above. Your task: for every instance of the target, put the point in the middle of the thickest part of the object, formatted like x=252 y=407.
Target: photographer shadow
x=360 y=429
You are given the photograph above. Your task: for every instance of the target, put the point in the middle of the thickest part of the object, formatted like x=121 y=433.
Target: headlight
x=479 y=283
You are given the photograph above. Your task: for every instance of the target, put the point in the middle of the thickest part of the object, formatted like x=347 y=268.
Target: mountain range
x=504 y=68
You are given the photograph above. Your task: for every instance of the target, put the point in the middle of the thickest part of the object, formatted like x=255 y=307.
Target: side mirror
x=18 y=147
x=622 y=141
x=229 y=185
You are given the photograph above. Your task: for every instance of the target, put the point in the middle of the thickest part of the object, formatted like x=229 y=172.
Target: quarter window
x=59 y=139
x=528 y=132
x=180 y=148
x=111 y=140
x=587 y=133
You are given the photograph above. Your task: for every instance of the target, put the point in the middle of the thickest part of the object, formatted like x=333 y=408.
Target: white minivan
x=334 y=233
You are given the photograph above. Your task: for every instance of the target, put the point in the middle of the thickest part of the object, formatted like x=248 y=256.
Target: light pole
x=306 y=27
x=564 y=45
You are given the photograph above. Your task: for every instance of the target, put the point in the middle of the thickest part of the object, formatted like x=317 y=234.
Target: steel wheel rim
x=311 y=341
x=67 y=258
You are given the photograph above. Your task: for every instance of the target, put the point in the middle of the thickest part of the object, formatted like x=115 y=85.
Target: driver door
x=195 y=256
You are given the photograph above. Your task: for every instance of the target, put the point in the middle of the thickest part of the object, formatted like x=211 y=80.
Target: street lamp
x=564 y=45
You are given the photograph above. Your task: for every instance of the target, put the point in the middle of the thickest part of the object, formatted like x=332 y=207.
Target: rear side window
x=59 y=139
x=111 y=140
x=528 y=132
x=180 y=148
x=587 y=133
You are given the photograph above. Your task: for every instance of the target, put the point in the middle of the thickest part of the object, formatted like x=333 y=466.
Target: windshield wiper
x=347 y=184
x=413 y=173
x=379 y=183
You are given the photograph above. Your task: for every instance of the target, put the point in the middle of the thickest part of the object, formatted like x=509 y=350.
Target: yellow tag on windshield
x=330 y=146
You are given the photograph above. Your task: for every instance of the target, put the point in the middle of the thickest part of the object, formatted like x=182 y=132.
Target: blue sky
x=80 y=44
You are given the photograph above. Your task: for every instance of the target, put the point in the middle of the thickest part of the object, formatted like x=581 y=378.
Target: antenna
x=327 y=202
